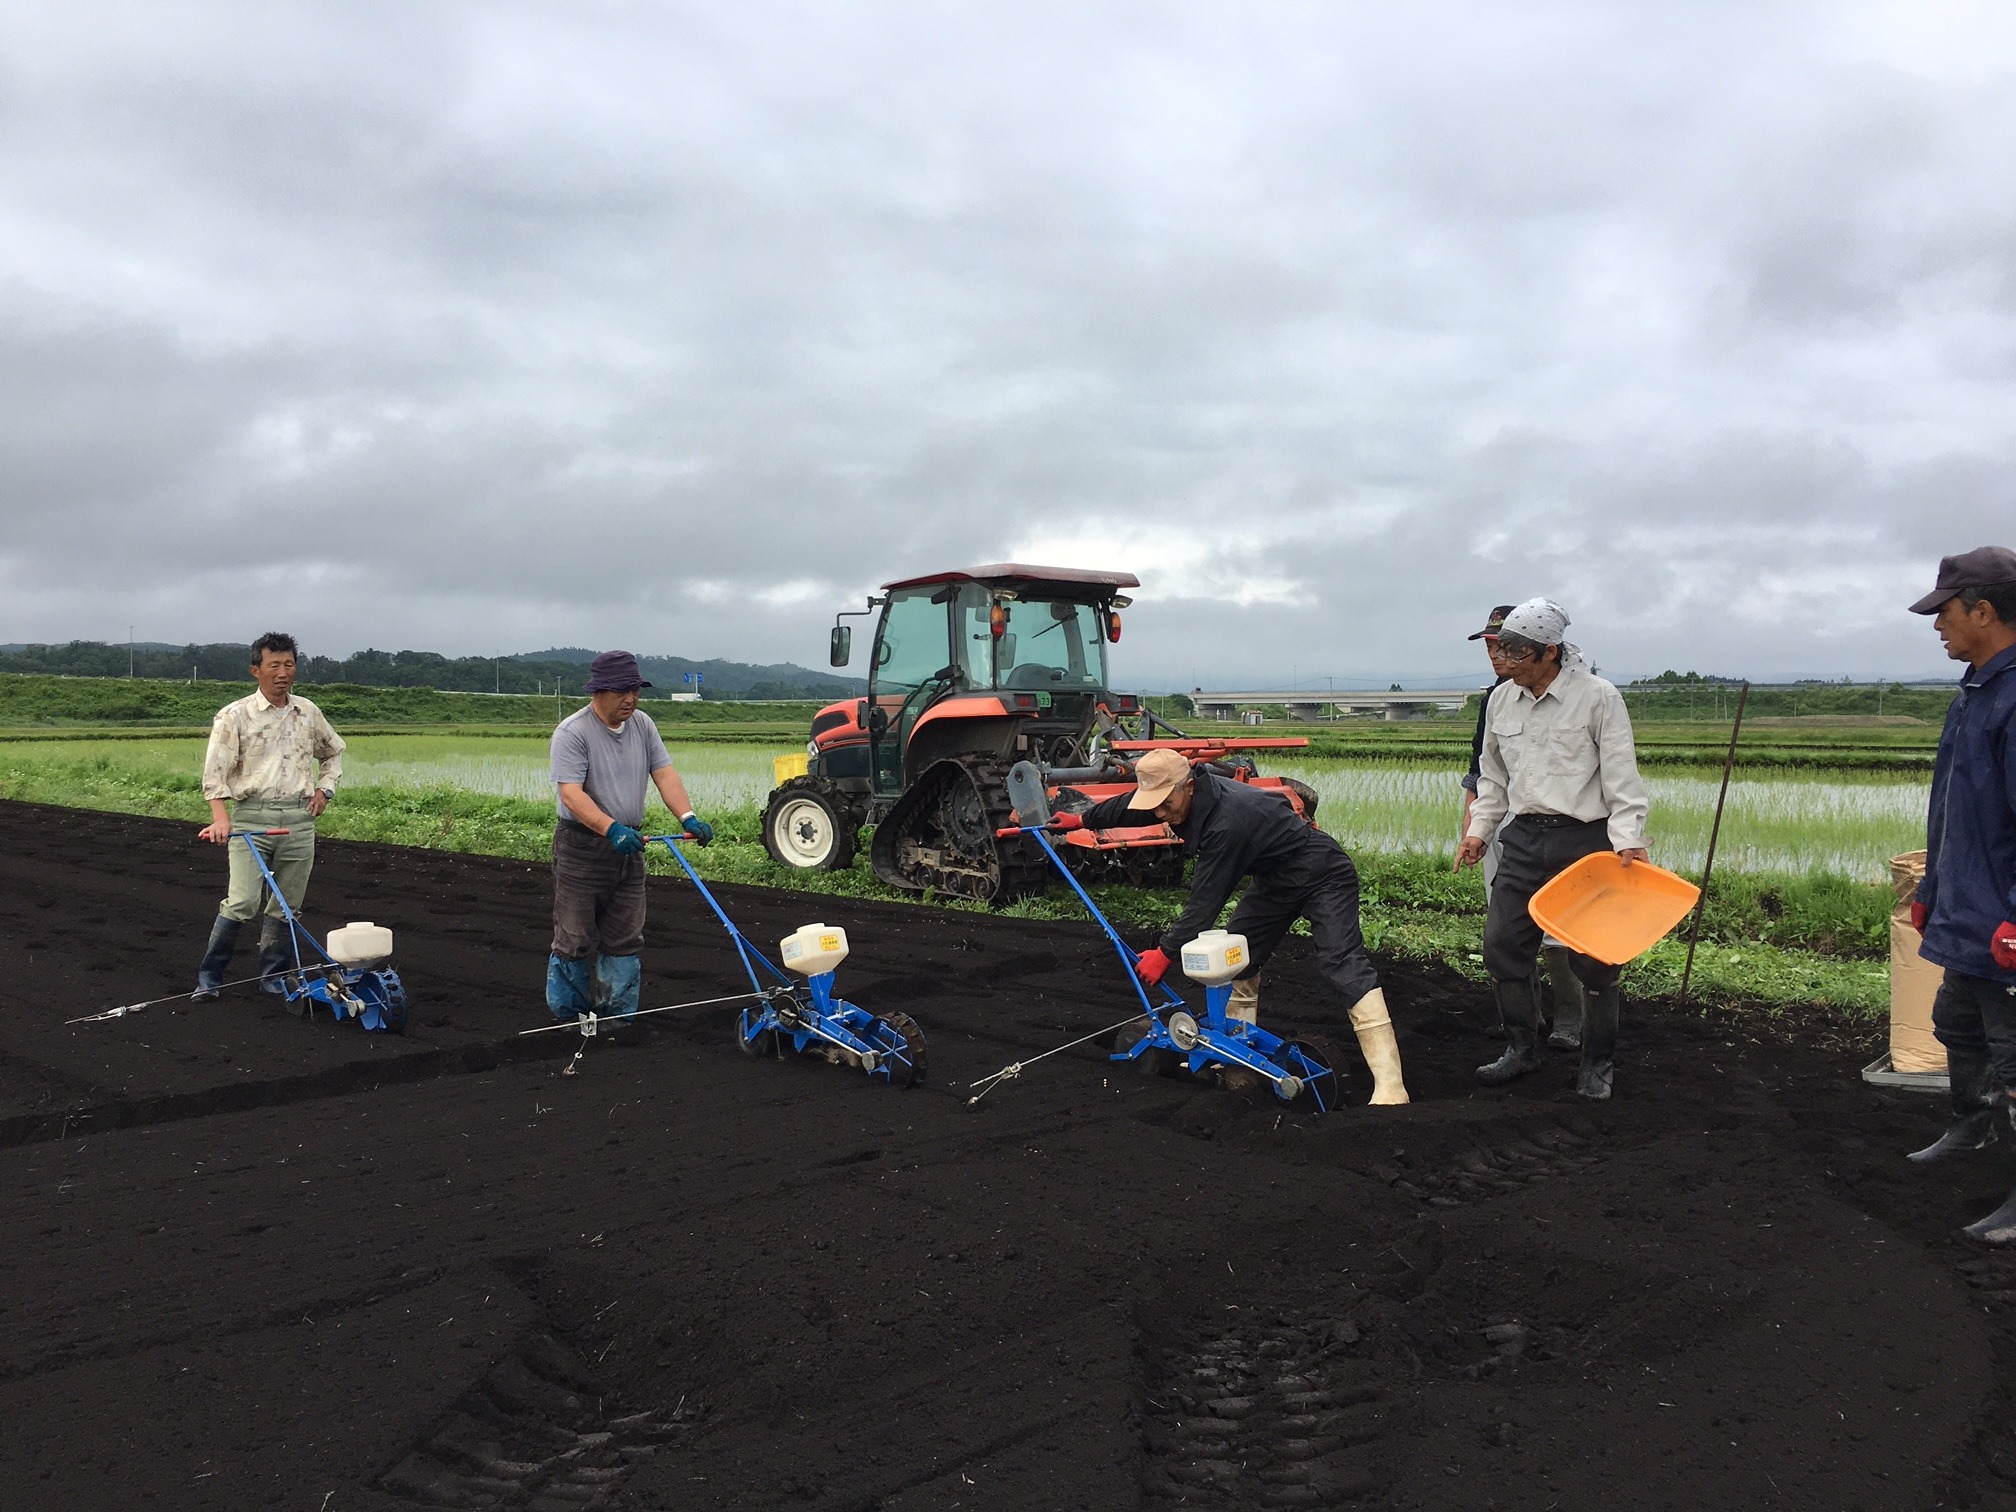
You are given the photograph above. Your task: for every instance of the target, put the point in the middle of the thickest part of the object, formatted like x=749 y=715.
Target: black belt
x=1553 y=821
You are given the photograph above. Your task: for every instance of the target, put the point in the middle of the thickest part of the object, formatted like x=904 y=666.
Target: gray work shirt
x=613 y=766
x=1567 y=752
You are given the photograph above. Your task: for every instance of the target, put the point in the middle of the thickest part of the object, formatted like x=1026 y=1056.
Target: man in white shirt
x=272 y=763
x=1559 y=759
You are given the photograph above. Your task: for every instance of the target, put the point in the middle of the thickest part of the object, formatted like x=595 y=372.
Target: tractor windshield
x=910 y=649
x=1050 y=646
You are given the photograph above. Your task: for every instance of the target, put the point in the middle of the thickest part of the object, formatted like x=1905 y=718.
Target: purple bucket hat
x=615 y=672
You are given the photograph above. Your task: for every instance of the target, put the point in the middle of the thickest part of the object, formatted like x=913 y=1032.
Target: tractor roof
x=1018 y=572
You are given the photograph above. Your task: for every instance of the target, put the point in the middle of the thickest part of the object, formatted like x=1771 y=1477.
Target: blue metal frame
x=880 y=1048
x=1213 y=1040
x=375 y=998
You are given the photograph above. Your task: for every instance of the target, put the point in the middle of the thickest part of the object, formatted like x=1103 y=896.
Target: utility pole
x=129 y=650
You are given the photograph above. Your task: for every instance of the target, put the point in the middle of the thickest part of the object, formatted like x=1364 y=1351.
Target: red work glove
x=1154 y=965
x=1918 y=912
x=1067 y=821
x=2002 y=946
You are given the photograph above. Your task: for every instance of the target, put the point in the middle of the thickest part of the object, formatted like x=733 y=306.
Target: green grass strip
x=1769 y=940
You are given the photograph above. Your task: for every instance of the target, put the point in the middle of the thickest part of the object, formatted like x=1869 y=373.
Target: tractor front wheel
x=809 y=827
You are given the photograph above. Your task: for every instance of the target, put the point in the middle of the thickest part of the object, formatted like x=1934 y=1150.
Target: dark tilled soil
x=252 y=1261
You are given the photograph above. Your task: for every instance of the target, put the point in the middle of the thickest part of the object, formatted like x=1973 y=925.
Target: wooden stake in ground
x=1714 y=834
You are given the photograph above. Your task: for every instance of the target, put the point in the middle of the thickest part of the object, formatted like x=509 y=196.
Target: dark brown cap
x=1494 y=623
x=1983 y=567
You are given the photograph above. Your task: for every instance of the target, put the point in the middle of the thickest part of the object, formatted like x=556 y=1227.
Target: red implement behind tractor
x=974 y=673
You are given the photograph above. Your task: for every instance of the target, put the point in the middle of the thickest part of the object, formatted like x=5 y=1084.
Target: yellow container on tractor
x=784 y=768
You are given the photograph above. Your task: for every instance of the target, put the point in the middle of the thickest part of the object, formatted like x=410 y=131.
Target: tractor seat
x=1033 y=675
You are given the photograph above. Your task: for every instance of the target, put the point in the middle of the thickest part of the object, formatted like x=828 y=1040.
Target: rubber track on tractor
x=940 y=836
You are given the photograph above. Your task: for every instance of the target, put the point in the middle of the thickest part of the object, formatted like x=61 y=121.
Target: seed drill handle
x=1127 y=952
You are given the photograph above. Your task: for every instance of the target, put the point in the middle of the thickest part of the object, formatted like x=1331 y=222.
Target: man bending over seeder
x=1235 y=831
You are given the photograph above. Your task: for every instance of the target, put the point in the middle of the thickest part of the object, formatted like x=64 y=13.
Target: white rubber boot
x=1244 y=1004
x=1374 y=1028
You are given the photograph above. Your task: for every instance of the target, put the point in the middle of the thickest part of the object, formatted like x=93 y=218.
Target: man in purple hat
x=1966 y=906
x=605 y=758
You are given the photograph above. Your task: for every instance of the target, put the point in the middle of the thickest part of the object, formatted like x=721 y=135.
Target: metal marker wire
x=121 y=1012
x=1009 y=1073
x=588 y=1023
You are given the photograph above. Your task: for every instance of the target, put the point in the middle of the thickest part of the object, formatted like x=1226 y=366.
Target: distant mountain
x=531 y=672
x=717 y=678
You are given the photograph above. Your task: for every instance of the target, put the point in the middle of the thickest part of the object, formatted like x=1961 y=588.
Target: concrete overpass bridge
x=1308 y=704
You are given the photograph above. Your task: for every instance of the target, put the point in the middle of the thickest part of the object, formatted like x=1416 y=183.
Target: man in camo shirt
x=273 y=763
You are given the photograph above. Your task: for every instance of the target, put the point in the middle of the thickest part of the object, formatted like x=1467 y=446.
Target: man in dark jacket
x=1966 y=906
x=1235 y=831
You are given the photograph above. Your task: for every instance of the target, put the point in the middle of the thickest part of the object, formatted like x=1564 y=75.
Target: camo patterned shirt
x=271 y=753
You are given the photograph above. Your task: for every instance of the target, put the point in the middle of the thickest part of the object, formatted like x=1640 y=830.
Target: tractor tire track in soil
x=255 y=1261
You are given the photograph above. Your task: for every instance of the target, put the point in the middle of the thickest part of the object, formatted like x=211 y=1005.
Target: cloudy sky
x=681 y=326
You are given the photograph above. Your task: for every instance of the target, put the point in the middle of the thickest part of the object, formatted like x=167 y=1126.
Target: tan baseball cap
x=1159 y=774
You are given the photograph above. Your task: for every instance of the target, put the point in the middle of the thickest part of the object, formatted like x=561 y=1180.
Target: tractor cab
x=1006 y=660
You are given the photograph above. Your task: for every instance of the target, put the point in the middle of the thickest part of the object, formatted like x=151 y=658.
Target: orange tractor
x=974 y=674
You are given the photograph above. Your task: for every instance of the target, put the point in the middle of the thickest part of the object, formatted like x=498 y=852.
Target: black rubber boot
x=275 y=956
x=1999 y=1227
x=1971 y=1093
x=1569 y=998
x=216 y=959
x=1599 y=1042
x=1522 y=1034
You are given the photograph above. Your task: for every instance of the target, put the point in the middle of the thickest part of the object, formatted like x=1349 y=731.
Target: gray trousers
x=1535 y=851
x=598 y=896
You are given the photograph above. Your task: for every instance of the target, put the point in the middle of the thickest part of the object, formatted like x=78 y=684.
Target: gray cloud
x=492 y=327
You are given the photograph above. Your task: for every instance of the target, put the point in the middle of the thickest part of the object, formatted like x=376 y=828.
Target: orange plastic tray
x=1613 y=912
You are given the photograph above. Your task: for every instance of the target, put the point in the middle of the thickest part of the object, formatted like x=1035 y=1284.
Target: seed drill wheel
x=757 y=1044
x=383 y=997
x=1155 y=1062
x=807 y=826
x=900 y=1043
x=1318 y=1095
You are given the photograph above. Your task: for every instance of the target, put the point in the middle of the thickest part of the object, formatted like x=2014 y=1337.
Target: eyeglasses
x=1502 y=652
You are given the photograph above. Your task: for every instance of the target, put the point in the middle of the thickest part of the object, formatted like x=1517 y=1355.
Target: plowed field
x=253 y=1261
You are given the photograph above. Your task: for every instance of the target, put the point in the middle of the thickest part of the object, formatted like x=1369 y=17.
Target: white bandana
x=1545 y=622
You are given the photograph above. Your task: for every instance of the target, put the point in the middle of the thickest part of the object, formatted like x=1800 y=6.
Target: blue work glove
x=701 y=831
x=624 y=840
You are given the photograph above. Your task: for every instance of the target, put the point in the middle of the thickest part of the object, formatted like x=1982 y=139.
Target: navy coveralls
x=1234 y=831
x=1970 y=867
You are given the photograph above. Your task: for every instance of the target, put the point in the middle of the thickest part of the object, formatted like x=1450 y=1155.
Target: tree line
x=564 y=670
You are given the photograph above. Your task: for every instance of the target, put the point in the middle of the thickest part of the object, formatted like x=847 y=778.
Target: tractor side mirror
x=842 y=649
